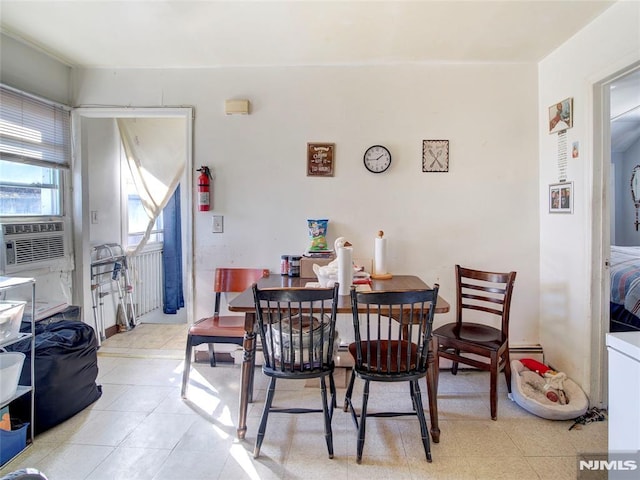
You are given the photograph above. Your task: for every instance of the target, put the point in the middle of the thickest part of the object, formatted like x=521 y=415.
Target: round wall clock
x=377 y=159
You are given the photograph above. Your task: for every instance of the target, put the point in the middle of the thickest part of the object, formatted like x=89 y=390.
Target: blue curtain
x=172 y=256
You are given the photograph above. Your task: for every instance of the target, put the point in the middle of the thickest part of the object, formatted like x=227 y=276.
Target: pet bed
x=535 y=400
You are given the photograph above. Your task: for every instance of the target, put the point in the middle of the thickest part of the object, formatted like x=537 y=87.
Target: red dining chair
x=220 y=328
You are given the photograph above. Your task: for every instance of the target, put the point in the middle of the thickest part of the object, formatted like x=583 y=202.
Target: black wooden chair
x=482 y=297
x=297 y=327
x=392 y=341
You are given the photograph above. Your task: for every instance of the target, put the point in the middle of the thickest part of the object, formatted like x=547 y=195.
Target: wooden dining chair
x=482 y=298
x=297 y=327
x=220 y=328
x=385 y=351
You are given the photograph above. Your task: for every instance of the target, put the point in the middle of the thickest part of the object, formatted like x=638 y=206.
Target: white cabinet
x=624 y=391
x=7 y=285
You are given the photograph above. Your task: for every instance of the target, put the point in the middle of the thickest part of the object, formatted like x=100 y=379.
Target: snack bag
x=318 y=234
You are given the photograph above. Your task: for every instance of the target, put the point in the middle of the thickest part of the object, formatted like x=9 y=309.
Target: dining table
x=245 y=303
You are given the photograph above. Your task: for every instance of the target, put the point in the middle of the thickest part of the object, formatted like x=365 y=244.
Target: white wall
x=33 y=71
x=482 y=214
x=607 y=45
x=105 y=195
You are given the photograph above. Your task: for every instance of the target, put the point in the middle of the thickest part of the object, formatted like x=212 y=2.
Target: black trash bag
x=66 y=368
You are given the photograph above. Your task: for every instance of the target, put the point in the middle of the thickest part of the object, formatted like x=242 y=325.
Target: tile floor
x=140 y=429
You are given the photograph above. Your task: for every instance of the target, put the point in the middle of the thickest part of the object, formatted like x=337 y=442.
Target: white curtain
x=156 y=153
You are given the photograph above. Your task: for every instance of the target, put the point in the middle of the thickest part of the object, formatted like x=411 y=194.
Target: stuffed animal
x=554 y=386
x=553 y=382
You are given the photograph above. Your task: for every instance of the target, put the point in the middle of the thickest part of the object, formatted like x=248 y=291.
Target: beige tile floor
x=140 y=429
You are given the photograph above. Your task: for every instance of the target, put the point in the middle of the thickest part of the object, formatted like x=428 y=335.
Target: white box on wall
x=233 y=107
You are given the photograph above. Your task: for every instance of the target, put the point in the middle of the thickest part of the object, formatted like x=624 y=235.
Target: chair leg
x=348 y=403
x=332 y=391
x=493 y=395
x=432 y=393
x=265 y=415
x=212 y=355
x=507 y=369
x=363 y=421
x=436 y=369
x=328 y=434
x=412 y=393
x=417 y=401
x=252 y=373
x=187 y=368
x=347 y=395
x=454 y=366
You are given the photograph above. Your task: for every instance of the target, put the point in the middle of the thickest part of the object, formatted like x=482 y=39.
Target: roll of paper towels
x=345 y=270
x=380 y=256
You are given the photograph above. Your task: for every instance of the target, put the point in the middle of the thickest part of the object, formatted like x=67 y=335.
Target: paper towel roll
x=345 y=270
x=380 y=256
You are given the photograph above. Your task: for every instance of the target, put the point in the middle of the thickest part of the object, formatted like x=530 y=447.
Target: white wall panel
x=483 y=213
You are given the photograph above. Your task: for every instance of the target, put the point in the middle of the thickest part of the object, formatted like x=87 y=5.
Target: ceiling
x=182 y=33
x=238 y=33
x=625 y=111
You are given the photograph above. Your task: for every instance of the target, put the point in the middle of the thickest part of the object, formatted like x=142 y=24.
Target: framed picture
x=435 y=155
x=561 y=116
x=561 y=197
x=320 y=159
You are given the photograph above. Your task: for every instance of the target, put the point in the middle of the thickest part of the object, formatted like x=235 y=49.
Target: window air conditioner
x=33 y=246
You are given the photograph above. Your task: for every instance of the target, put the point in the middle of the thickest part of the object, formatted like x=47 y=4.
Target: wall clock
x=377 y=159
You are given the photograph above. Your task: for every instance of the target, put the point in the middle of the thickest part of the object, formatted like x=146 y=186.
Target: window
x=35 y=150
x=137 y=218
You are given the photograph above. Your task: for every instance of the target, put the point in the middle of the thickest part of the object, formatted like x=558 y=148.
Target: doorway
x=615 y=105
x=97 y=214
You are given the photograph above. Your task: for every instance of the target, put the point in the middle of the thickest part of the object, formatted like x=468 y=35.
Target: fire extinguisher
x=204 y=197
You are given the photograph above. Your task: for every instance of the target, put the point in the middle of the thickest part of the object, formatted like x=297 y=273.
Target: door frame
x=602 y=203
x=81 y=214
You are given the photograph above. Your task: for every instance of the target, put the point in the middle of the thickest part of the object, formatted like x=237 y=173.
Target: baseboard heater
x=527 y=351
x=516 y=352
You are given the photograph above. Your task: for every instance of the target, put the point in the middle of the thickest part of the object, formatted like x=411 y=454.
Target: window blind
x=33 y=130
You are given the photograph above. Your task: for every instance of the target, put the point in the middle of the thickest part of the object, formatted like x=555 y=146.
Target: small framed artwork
x=561 y=116
x=435 y=155
x=320 y=159
x=561 y=197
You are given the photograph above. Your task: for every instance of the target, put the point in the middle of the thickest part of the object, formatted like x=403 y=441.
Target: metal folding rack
x=109 y=266
x=8 y=283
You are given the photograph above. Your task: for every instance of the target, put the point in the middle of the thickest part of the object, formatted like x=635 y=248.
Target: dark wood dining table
x=244 y=302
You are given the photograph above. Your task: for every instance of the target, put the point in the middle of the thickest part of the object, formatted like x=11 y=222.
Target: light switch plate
x=217 y=224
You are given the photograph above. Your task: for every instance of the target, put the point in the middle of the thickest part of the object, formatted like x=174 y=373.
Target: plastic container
x=10 y=370
x=12 y=442
x=293 y=325
x=10 y=318
x=294 y=265
x=284 y=265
